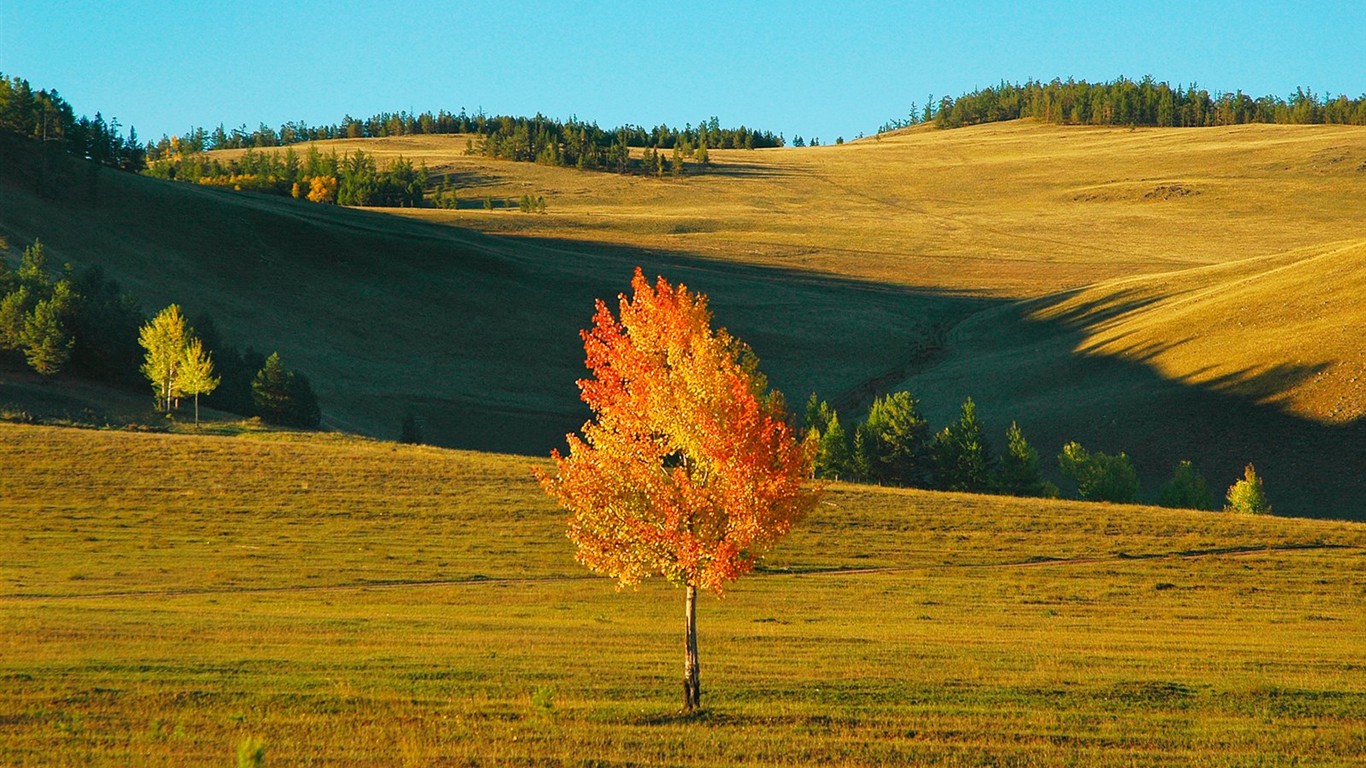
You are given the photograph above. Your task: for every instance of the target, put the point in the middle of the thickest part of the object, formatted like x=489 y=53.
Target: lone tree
x=689 y=469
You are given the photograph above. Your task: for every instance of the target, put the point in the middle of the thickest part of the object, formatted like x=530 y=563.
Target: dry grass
x=362 y=603
x=1174 y=293
x=1011 y=209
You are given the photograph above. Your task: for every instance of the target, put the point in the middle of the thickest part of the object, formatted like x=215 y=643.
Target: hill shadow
x=1018 y=367
x=477 y=334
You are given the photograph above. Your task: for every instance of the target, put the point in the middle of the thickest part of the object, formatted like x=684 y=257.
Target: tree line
x=540 y=140
x=894 y=445
x=43 y=115
x=352 y=179
x=1144 y=102
x=87 y=327
x=522 y=138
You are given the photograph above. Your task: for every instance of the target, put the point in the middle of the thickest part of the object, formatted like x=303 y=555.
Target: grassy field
x=361 y=603
x=1172 y=293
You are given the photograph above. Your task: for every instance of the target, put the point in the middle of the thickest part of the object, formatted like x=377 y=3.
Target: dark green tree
x=271 y=390
x=962 y=458
x=304 y=410
x=894 y=438
x=104 y=325
x=1099 y=476
x=284 y=397
x=1018 y=471
x=410 y=432
x=47 y=344
x=1186 y=490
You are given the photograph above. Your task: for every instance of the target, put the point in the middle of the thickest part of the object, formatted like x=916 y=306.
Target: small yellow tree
x=163 y=338
x=322 y=189
x=1248 y=495
x=194 y=376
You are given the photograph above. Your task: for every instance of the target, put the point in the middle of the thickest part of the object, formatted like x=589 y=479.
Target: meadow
x=353 y=602
x=1171 y=293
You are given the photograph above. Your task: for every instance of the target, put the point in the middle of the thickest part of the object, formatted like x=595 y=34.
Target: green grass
x=361 y=603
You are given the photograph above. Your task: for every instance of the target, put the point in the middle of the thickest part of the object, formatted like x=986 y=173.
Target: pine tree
x=33 y=266
x=1018 y=472
x=195 y=374
x=270 y=390
x=47 y=344
x=14 y=311
x=303 y=403
x=410 y=432
x=894 y=438
x=832 y=452
x=961 y=455
x=817 y=414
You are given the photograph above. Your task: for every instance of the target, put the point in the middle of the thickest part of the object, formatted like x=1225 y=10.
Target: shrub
x=1248 y=495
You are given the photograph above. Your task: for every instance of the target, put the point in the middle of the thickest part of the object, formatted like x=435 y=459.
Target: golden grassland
x=1010 y=209
x=1172 y=293
x=362 y=603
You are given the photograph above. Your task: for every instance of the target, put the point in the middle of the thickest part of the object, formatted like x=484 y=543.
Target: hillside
x=476 y=334
x=356 y=602
x=1094 y=281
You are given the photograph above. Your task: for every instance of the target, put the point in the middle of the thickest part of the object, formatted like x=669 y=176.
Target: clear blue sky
x=810 y=68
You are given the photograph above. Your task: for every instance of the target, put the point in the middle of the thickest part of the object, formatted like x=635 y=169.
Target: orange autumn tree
x=689 y=469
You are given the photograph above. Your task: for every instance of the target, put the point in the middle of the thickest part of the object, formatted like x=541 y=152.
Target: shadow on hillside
x=478 y=334
x=1030 y=371
x=737 y=170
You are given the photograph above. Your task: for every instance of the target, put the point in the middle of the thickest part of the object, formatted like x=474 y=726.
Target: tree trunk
x=196 y=410
x=692 y=687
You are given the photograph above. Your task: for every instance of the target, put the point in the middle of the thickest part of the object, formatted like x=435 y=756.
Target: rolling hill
x=1175 y=293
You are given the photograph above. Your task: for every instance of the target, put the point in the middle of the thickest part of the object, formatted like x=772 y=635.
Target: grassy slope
x=1010 y=209
x=1155 y=267
x=364 y=603
x=1256 y=360
x=476 y=334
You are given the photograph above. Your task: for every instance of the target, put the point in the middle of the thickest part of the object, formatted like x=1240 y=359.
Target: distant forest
x=43 y=116
x=1126 y=102
x=532 y=139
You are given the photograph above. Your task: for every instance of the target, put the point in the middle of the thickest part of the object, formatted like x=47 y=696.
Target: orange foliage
x=690 y=469
x=322 y=189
